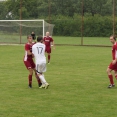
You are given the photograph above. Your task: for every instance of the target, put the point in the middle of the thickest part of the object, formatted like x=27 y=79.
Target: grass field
x=77 y=78
x=104 y=41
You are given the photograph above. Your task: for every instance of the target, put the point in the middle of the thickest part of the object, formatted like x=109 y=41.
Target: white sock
x=42 y=79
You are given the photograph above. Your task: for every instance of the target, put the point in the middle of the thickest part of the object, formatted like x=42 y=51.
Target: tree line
x=65 y=14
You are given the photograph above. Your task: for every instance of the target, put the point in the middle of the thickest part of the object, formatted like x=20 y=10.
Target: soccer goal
x=16 y=31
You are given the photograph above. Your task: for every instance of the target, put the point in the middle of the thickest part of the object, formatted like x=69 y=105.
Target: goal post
x=16 y=31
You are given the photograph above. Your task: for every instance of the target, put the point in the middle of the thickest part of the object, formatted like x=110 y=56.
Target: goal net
x=16 y=31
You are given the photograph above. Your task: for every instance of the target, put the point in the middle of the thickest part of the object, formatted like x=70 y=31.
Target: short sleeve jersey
x=47 y=40
x=28 y=46
x=38 y=50
x=114 y=51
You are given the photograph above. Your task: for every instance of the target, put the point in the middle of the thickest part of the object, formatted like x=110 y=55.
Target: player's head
x=29 y=38
x=40 y=39
x=47 y=34
x=112 y=39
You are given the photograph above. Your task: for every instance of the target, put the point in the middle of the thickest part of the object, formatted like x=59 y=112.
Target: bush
x=97 y=26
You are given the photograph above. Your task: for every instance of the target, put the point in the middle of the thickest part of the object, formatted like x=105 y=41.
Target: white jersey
x=38 y=50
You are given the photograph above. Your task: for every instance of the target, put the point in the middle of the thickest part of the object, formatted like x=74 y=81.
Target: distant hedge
x=97 y=26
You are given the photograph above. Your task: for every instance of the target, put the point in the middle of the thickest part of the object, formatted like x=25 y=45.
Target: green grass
x=77 y=78
x=60 y=40
x=85 y=40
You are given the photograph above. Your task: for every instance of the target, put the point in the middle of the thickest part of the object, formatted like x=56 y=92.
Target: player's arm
x=116 y=56
x=43 y=40
x=32 y=51
x=115 y=61
x=52 y=43
x=29 y=53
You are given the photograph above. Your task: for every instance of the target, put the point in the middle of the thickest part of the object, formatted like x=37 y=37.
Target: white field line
x=12 y=44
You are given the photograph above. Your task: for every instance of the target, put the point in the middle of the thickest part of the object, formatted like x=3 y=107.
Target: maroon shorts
x=48 y=49
x=113 y=67
x=29 y=64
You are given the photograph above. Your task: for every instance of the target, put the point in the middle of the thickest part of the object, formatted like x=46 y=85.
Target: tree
x=102 y=7
x=3 y=11
x=42 y=8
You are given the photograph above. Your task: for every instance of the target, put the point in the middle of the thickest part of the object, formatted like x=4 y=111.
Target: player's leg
x=38 y=79
x=48 y=58
x=110 y=76
x=29 y=68
x=44 y=82
x=40 y=69
x=30 y=77
x=48 y=50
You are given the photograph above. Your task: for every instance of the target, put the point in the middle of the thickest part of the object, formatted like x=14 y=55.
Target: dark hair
x=114 y=37
x=39 y=38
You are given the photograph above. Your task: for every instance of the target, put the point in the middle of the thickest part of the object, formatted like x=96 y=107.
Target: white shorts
x=41 y=68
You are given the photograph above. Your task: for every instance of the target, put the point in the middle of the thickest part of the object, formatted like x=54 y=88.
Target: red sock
x=48 y=58
x=38 y=79
x=30 y=79
x=111 y=79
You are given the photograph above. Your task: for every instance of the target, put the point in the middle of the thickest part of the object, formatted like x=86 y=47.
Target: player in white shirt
x=38 y=50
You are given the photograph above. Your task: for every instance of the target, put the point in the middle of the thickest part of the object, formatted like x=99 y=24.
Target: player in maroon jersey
x=48 y=40
x=113 y=64
x=28 y=61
